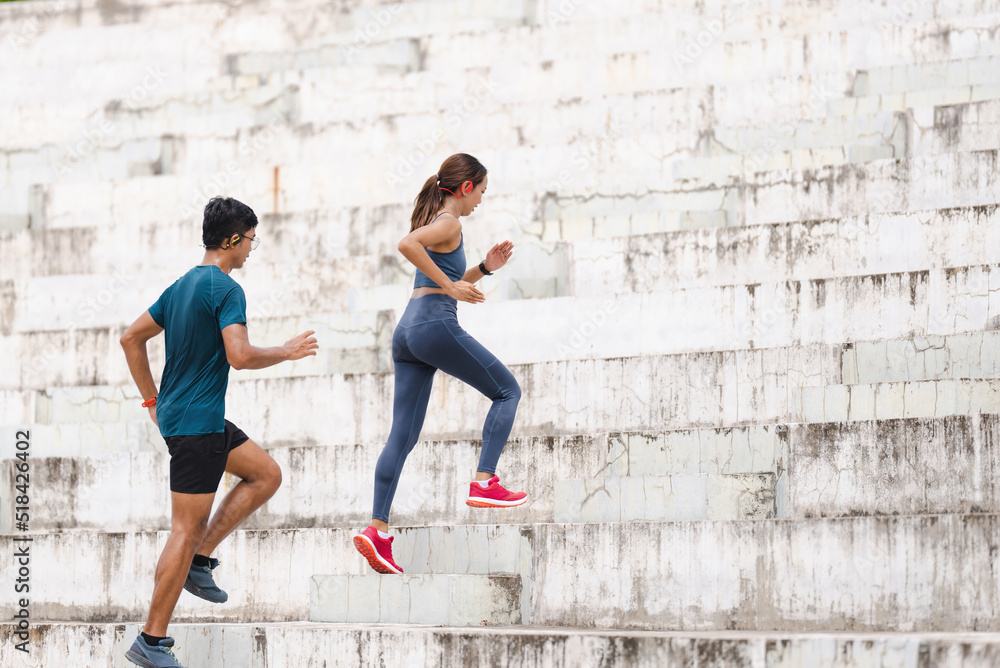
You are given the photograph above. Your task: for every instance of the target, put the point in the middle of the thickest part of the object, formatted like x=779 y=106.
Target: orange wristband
x=149 y=402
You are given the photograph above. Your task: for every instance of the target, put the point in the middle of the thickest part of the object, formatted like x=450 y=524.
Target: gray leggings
x=427 y=338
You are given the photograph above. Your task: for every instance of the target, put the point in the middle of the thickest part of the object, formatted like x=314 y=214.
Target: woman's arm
x=496 y=258
x=414 y=248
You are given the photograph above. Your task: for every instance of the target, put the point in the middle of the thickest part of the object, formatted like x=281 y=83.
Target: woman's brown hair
x=454 y=171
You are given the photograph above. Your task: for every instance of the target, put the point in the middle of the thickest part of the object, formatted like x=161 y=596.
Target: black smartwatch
x=482 y=268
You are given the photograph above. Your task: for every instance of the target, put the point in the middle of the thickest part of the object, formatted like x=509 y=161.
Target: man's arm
x=242 y=355
x=134 y=343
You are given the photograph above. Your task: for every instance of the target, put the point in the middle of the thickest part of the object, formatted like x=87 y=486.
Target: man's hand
x=301 y=346
x=152 y=415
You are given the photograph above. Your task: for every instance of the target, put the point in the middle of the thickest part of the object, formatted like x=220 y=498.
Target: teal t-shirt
x=193 y=312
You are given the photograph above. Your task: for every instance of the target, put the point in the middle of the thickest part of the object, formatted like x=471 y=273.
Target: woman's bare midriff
x=420 y=292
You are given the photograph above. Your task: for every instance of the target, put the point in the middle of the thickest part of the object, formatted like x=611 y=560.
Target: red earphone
x=464 y=190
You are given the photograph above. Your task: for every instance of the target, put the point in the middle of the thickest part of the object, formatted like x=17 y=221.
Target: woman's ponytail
x=428 y=202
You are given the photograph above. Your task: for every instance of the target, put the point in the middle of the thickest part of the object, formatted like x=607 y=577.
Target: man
x=203 y=315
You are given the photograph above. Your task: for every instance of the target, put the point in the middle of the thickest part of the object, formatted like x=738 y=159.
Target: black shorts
x=198 y=462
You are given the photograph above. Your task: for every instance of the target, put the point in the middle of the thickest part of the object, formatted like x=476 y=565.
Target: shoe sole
x=364 y=545
x=139 y=660
x=201 y=593
x=480 y=502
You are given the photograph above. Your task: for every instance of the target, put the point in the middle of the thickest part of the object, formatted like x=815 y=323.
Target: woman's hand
x=465 y=292
x=498 y=256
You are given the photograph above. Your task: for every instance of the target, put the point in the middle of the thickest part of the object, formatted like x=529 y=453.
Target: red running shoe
x=494 y=496
x=377 y=550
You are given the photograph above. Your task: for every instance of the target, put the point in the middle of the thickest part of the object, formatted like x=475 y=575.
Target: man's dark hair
x=224 y=217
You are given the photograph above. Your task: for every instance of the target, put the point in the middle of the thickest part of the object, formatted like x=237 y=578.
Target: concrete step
x=853 y=574
x=586 y=200
x=863 y=573
x=304 y=645
x=101 y=419
x=867 y=467
x=196 y=24
x=696 y=147
x=728 y=449
x=428 y=600
x=354 y=342
x=732 y=58
x=938 y=302
x=323 y=98
x=355 y=408
x=921 y=124
x=93 y=357
x=336 y=298
x=894 y=467
x=628 y=262
x=620 y=258
x=870 y=467
x=383 y=20
x=108 y=577
x=698 y=452
x=840 y=140
x=797 y=193
x=698 y=474
x=323 y=486
x=682 y=497
x=882 y=186
x=972 y=355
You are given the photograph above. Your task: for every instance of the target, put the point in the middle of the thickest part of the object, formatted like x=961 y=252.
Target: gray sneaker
x=153 y=656
x=200 y=583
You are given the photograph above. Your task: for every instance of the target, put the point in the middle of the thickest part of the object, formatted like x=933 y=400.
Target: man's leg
x=188 y=524
x=260 y=478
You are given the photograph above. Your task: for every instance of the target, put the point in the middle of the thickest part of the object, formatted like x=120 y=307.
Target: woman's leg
x=455 y=352
x=409 y=406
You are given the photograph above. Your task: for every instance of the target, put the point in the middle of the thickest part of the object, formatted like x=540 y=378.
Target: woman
x=428 y=337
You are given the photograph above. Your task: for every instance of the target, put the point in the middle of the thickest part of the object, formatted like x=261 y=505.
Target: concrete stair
x=605 y=261
x=93 y=357
x=751 y=313
x=456 y=412
x=432 y=600
x=681 y=497
x=99 y=576
x=312 y=645
x=874 y=573
x=934 y=302
x=849 y=574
